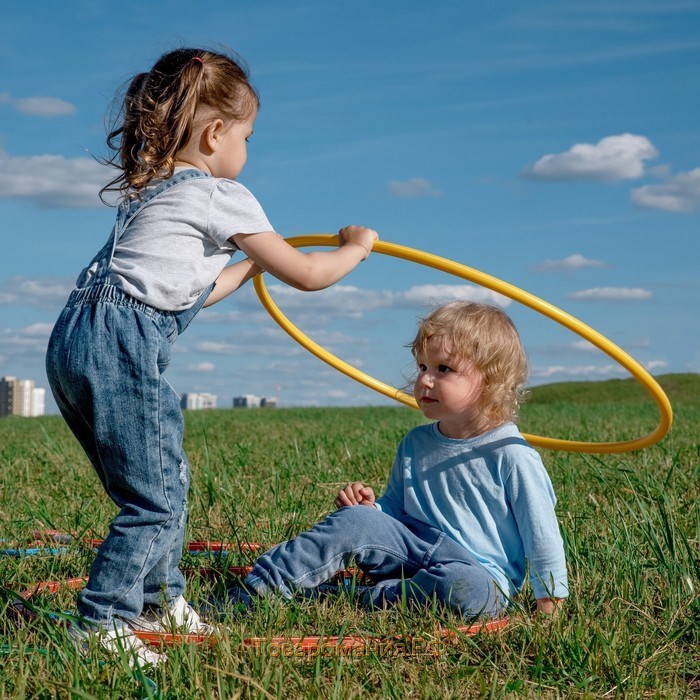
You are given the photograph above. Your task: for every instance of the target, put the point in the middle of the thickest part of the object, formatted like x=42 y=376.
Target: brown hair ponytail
x=157 y=116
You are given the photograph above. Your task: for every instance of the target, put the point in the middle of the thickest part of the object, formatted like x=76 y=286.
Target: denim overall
x=105 y=361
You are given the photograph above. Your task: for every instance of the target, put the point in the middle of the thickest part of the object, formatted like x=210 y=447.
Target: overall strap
x=133 y=206
x=128 y=209
x=185 y=316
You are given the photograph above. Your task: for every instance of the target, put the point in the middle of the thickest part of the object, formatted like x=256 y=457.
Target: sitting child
x=468 y=500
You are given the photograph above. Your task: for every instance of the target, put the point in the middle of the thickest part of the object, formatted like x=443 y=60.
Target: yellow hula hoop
x=509 y=290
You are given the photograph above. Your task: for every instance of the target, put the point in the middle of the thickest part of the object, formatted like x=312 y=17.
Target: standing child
x=468 y=500
x=180 y=144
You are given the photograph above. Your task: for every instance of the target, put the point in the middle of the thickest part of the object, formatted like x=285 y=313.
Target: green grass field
x=631 y=525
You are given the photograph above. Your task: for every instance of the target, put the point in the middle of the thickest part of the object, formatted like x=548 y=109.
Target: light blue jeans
x=404 y=558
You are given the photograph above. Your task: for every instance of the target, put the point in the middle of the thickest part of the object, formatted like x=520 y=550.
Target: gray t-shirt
x=177 y=245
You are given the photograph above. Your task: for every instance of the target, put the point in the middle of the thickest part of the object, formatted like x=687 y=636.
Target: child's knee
x=353 y=517
x=349 y=526
x=471 y=597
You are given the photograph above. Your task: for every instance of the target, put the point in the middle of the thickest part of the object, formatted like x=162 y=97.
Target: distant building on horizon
x=20 y=397
x=197 y=401
x=255 y=401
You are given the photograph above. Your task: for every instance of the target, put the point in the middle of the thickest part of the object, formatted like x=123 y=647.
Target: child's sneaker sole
x=118 y=640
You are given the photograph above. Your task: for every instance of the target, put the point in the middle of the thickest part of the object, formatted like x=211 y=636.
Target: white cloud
x=656 y=364
x=414 y=188
x=202 y=367
x=211 y=315
x=345 y=300
x=582 y=346
x=612 y=294
x=30 y=340
x=49 y=181
x=434 y=294
x=44 y=106
x=39 y=106
x=218 y=348
x=246 y=348
x=336 y=394
x=336 y=338
x=577 y=371
x=612 y=159
x=353 y=302
x=45 y=293
x=680 y=192
x=571 y=262
x=38 y=330
x=589 y=371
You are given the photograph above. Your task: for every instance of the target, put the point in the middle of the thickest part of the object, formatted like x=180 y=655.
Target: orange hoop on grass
x=304 y=645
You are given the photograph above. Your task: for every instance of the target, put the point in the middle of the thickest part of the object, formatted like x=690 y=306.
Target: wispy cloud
x=203 y=367
x=49 y=181
x=653 y=365
x=354 y=302
x=680 y=192
x=577 y=348
x=612 y=294
x=18 y=343
x=434 y=294
x=582 y=346
x=256 y=345
x=568 y=264
x=343 y=300
x=218 y=347
x=44 y=293
x=589 y=371
x=415 y=188
x=38 y=106
x=580 y=371
x=612 y=159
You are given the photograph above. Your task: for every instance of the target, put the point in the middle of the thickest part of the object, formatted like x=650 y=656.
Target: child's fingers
x=366 y=495
x=346 y=497
x=354 y=494
x=356 y=488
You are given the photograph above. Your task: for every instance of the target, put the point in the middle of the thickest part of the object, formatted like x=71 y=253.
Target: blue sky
x=552 y=145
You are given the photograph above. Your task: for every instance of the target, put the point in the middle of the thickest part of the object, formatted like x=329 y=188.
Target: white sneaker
x=181 y=618
x=118 y=639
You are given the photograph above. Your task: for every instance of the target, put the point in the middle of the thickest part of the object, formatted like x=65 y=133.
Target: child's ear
x=211 y=134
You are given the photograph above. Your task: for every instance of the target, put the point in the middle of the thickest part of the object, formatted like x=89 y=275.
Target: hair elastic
x=197 y=58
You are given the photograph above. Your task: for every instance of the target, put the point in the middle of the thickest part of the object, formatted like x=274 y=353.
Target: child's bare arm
x=307 y=271
x=355 y=494
x=232 y=278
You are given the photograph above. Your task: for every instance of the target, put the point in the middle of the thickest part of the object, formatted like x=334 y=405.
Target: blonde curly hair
x=484 y=336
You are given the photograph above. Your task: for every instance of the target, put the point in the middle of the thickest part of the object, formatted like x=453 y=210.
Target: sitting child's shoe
x=182 y=618
x=118 y=639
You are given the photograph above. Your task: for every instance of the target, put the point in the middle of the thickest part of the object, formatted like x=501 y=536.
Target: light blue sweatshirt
x=491 y=494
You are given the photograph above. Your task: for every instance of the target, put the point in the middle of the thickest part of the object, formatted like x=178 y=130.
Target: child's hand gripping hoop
x=509 y=290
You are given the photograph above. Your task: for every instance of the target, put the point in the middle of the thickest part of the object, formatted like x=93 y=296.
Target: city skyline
x=21 y=397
